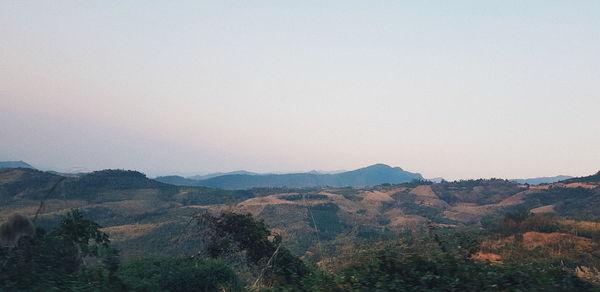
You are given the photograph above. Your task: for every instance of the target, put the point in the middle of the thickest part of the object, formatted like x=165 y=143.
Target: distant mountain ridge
x=542 y=180
x=591 y=178
x=211 y=175
x=368 y=176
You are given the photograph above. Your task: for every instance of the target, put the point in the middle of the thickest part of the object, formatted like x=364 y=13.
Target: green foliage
x=490 y=221
x=480 y=191
x=327 y=221
x=177 y=274
x=365 y=232
x=428 y=212
x=75 y=229
x=521 y=220
x=112 y=179
x=459 y=243
x=316 y=281
x=210 y=196
x=61 y=260
x=262 y=249
x=391 y=271
x=580 y=203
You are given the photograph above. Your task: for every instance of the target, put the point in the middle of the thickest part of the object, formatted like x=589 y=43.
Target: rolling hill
x=144 y=216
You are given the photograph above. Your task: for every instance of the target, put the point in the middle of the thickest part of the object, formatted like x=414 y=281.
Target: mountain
x=368 y=176
x=176 y=180
x=193 y=180
x=318 y=171
x=15 y=164
x=211 y=175
x=541 y=180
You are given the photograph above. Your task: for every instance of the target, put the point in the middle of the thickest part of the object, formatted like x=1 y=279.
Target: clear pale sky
x=459 y=89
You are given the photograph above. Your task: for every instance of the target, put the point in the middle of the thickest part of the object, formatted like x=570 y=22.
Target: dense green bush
x=391 y=271
x=327 y=221
x=177 y=274
x=521 y=220
x=76 y=255
x=230 y=232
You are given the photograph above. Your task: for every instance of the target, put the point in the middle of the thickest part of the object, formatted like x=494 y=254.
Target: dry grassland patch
x=377 y=196
x=424 y=191
x=487 y=256
x=582 y=225
x=580 y=185
x=543 y=209
x=129 y=231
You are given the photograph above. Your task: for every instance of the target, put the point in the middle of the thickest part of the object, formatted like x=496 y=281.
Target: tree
x=54 y=261
x=178 y=274
x=263 y=250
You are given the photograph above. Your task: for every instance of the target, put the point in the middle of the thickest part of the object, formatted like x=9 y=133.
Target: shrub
x=390 y=271
x=177 y=274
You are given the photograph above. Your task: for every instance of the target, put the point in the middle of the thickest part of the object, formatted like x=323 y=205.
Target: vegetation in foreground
x=237 y=252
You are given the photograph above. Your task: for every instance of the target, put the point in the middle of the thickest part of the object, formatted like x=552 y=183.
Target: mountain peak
x=378 y=166
x=371 y=175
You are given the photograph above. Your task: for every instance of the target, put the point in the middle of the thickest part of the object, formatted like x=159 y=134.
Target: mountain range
x=368 y=176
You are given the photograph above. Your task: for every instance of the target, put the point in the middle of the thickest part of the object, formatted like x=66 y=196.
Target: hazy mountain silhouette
x=176 y=180
x=211 y=175
x=368 y=176
x=541 y=180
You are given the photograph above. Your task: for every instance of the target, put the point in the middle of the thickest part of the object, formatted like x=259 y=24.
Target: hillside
x=144 y=215
x=372 y=175
x=595 y=178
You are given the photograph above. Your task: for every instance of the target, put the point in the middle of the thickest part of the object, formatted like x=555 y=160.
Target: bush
x=54 y=261
x=178 y=274
x=230 y=232
x=523 y=221
x=390 y=271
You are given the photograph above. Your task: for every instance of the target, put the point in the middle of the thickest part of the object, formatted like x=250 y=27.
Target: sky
x=453 y=89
